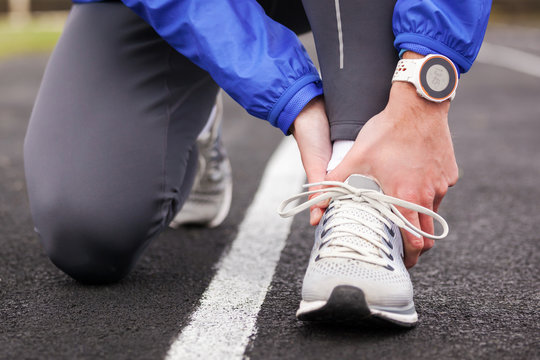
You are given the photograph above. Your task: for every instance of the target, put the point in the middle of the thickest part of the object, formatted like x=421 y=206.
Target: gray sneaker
x=356 y=269
x=210 y=199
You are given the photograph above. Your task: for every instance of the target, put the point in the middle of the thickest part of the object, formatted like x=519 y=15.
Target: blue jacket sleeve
x=258 y=62
x=454 y=28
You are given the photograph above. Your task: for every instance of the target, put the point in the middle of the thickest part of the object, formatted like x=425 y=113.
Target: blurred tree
x=516 y=6
x=19 y=6
x=54 y=5
x=19 y=11
x=25 y=6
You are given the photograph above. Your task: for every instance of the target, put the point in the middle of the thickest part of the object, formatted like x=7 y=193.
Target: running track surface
x=477 y=292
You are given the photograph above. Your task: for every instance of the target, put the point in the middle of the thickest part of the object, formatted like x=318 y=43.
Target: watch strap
x=407 y=70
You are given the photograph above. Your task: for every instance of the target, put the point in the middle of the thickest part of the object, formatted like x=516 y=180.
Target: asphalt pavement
x=477 y=292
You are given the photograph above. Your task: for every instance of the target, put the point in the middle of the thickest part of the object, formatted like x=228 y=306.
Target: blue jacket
x=263 y=66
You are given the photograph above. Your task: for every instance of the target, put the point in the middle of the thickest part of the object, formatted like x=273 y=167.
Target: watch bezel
x=446 y=93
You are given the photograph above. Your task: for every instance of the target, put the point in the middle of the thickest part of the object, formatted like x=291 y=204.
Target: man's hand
x=312 y=133
x=408 y=149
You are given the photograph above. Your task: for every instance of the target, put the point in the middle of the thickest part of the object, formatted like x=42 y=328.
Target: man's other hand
x=312 y=133
x=408 y=149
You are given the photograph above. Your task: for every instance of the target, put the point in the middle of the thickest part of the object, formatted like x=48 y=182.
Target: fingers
x=437 y=202
x=430 y=200
x=412 y=245
x=316 y=211
x=426 y=197
x=426 y=224
x=315 y=215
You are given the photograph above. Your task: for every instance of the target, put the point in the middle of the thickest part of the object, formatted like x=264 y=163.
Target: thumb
x=316 y=211
x=316 y=174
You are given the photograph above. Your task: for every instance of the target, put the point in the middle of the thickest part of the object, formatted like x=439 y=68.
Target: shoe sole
x=348 y=304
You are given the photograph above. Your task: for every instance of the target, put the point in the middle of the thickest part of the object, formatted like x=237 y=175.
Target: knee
x=87 y=262
x=93 y=247
x=87 y=259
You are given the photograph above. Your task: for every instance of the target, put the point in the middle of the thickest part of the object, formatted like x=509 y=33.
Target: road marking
x=509 y=58
x=223 y=323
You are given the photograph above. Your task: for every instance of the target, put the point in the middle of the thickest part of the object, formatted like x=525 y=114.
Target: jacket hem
x=422 y=50
x=463 y=63
x=296 y=104
x=286 y=97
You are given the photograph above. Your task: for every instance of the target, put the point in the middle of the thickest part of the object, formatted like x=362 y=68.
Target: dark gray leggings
x=110 y=151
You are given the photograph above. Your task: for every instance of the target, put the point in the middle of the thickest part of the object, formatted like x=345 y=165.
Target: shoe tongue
x=358 y=211
x=362 y=182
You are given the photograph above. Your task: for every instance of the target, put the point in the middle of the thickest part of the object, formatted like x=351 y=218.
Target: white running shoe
x=356 y=268
x=209 y=202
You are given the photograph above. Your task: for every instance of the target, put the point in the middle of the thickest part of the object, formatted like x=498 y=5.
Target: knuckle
x=441 y=190
x=428 y=244
x=408 y=194
x=415 y=243
x=410 y=262
x=453 y=175
x=427 y=195
x=410 y=215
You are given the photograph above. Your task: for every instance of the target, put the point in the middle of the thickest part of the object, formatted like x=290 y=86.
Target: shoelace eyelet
x=389 y=267
x=389 y=244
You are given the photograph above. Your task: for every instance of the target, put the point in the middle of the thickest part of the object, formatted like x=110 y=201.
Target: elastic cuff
x=422 y=50
x=297 y=103
x=462 y=63
x=288 y=94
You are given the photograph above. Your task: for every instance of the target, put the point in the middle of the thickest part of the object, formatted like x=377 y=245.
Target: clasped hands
x=407 y=147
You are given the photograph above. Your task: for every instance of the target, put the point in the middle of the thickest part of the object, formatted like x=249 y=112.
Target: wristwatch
x=434 y=76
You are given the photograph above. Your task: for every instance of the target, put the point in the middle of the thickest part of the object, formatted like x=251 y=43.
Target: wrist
x=434 y=76
x=411 y=55
x=405 y=96
x=309 y=114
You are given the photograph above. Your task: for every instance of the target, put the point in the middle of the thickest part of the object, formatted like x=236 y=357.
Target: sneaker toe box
x=381 y=287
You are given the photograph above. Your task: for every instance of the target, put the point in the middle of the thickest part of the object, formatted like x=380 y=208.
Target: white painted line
x=340 y=34
x=223 y=323
x=509 y=58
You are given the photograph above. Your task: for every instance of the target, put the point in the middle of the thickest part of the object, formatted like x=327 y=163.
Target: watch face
x=438 y=78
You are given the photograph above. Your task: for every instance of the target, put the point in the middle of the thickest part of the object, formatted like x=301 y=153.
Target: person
x=128 y=101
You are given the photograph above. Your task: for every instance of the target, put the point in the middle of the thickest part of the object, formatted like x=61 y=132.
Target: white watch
x=434 y=76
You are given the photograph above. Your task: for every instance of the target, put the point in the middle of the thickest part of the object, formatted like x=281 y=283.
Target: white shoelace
x=381 y=207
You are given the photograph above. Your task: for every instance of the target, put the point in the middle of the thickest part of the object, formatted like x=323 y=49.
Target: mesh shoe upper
x=358 y=243
x=210 y=198
x=383 y=286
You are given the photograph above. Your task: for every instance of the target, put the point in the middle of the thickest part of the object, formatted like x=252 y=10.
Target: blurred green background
x=30 y=26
